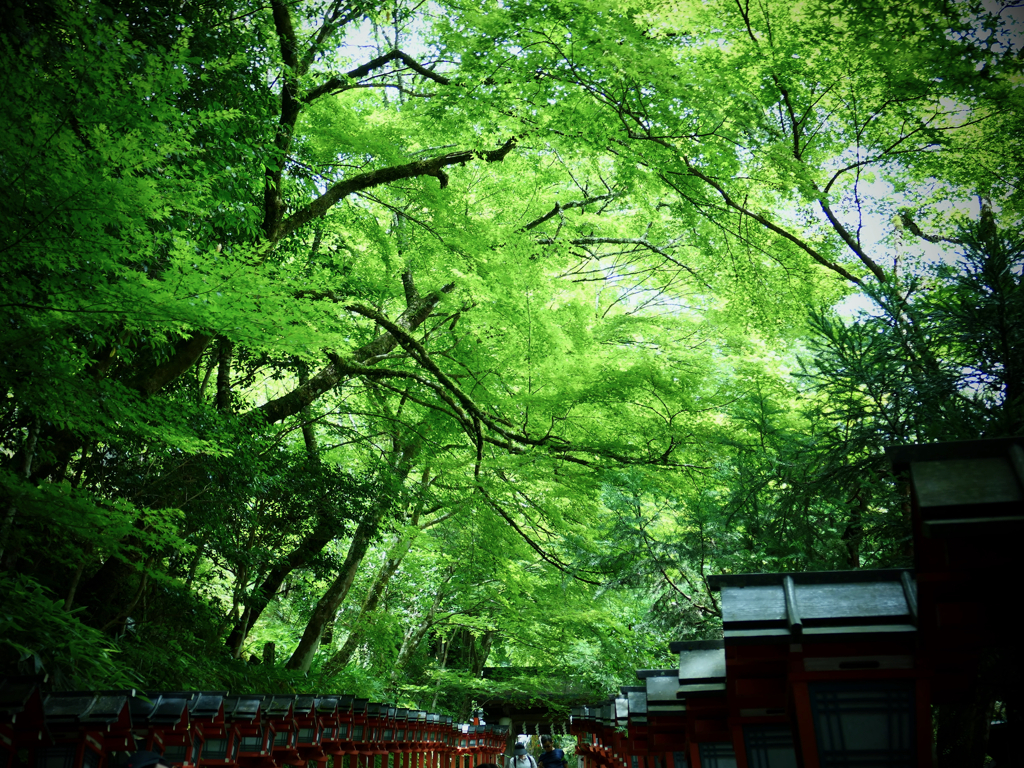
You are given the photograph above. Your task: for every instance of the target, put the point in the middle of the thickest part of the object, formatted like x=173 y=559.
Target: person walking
x=552 y=757
x=521 y=758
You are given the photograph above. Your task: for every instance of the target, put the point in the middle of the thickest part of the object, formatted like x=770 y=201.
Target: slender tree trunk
x=332 y=599
x=308 y=430
x=854 y=531
x=194 y=565
x=206 y=377
x=480 y=657
x=271 y=584
x=444 y=664
x=224 y=351
x=30 y=451
x=69 y=600
x=403 y=455
x=338 y=661
x=414 y=634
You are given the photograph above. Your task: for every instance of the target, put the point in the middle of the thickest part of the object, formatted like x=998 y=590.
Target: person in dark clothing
x=551 y=757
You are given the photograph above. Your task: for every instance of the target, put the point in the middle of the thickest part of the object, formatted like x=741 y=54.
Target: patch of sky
x=1002 y=31
x=883 y=236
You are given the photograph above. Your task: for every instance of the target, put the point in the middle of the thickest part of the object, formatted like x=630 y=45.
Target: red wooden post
x=828 y=652
x=666 y=714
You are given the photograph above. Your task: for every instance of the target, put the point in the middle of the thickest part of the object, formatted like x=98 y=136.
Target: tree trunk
x=327 y=606
x=338 y=661
x=403 y=455
x=308 y=430
x=224 y=351
x=854 y=531
x=264 y=593
x=413 y=635
x=370 y=353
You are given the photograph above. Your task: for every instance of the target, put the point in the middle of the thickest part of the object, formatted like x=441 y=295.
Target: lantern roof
x=279 y=707
x=662 y=687
x=662 y=693
x=971 y=487
x=643 y=674
x=305 y=705
x=637 y=700
x=160 y=709
x=243 y=707
x=825 y=605
x=621 y=706
x=205 y=704
x=99 y=708
x=326 y=705
x=701 y=667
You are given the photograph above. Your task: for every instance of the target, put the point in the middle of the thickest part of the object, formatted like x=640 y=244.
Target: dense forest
x=361 y=346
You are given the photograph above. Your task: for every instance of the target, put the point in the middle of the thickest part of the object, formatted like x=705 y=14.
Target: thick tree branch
x=336 y=84
x=472 y=416
x=367 y=355
x=910 y=224
x=184 y=357
x=285 y=34
x=432 y=167
x=412 y=296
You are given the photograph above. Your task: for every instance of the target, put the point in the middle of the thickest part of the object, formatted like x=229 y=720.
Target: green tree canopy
x=417 y=338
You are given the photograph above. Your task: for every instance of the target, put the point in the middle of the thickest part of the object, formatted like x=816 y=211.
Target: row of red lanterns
x=215 y=729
